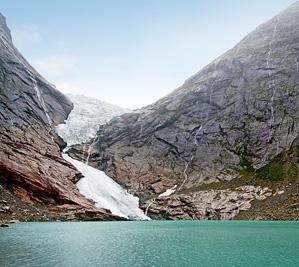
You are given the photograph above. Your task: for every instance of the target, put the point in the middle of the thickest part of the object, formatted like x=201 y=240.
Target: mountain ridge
x=240 y=111
x=31 y=164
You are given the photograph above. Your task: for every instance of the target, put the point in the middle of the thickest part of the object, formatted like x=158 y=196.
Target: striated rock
x=276 y=207
x=91 y=213
x=31 y=164
x=206 y=205
x=237 y=113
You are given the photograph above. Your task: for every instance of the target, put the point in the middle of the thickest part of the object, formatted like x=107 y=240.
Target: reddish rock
x=31 y=164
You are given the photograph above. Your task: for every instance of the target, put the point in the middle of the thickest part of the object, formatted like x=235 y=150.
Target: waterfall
x=187 y=163
x=83 y=151
x=40 y=98
x=32 y=78
x=88 y=154
x=148 y=206
x=195 y=136
x=272 y=84
x=89 y=151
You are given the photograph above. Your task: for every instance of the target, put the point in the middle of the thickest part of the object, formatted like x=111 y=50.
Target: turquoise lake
x=150 y=243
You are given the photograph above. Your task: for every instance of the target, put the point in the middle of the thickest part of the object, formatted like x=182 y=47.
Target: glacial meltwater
x=150 y=243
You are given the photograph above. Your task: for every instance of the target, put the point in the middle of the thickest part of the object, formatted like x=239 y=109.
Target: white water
x=272 y=84
x=148 y=206
x=195 y=136
x=106 y=193
x=89 y=151
x=185 y=173
x=40 y=98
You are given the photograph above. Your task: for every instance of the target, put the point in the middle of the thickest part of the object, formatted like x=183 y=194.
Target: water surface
x=150 y=243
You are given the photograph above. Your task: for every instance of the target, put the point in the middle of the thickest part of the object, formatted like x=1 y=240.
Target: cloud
x=56 y=66
x=27 y=36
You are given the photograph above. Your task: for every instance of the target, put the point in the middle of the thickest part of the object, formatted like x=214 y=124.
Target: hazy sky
x=129 y=52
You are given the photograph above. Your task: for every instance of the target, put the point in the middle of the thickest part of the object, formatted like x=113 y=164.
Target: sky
x=129 y=52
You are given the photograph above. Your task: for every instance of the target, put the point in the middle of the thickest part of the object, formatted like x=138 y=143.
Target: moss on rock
x=283 y=168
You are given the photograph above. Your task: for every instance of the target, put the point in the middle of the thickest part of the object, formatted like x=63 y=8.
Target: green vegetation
x=282 y=168
x=246 y=165
x=171 y=113
x=291 y=173
x=273 y=171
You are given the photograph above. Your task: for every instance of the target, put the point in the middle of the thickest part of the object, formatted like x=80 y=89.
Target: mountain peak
x=4 y=30
x=241 y=109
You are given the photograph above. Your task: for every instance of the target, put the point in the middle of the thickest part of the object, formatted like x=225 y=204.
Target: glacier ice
x=81 y=126
x=105 y=192
x=84 y=120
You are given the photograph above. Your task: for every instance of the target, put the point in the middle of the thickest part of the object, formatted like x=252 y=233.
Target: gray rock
x=206 y=205
x=14 y=221
x=242 y=105
x=6 y=208
x=31 y=164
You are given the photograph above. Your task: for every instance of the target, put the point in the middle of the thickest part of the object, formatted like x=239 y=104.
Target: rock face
x=206 y=205
x=239 y=111
x=31 y=164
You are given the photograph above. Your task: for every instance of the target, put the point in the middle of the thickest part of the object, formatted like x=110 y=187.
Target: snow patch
x=168 y=192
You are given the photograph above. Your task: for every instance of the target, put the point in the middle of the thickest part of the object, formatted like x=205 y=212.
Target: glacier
x=81 y=126
x=105 y=192
x=84 y=120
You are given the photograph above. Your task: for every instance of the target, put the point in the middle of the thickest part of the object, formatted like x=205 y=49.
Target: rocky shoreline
x=207 y=205
x=280 y=202
x=237 y=118
x=13 y=209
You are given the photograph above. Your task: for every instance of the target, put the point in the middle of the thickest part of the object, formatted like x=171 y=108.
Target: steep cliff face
x=31 y=164
x=237 y=113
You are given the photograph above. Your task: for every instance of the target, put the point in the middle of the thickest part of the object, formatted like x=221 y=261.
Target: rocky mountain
x=31 y=165
x=87 y=115
x=234 y=120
